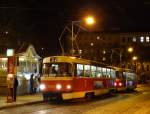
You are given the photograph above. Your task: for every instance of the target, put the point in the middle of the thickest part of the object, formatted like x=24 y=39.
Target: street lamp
x=89 y=20
x=134 y=58
x=130 y=49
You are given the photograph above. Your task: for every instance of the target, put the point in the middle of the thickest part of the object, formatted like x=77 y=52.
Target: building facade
x=28 y=63
x=111 y=48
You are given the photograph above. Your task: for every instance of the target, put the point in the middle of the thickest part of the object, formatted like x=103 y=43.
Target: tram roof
x=122 y=69
x=70 y=59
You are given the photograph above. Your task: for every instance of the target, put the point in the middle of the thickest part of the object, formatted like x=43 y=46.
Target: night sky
x=41 y=21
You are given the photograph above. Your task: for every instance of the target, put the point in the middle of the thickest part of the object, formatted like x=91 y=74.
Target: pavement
x=21 y=100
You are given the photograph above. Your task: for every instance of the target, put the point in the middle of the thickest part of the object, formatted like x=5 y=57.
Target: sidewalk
x=21 y=100
x=31 y=99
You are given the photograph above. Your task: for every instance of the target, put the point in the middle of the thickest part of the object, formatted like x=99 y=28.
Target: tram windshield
x=57 y=69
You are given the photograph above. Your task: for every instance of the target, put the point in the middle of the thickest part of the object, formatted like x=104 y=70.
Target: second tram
x=126 y=79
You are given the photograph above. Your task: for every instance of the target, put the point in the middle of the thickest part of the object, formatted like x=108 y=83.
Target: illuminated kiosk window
x=142 y=39
x=10 y=52
x=147 y=38
x=3 y=66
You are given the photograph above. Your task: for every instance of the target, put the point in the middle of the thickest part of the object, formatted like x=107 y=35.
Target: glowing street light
x=89 y=20
x=130 y=49
x=134 y=58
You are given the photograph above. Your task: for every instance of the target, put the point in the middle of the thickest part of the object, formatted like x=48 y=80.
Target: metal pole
x=112 y=55
x=72 y=38
x=120 y=58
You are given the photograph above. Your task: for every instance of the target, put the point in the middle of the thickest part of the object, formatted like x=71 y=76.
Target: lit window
x=147 y=38
x=98 y=37
x=142 y=39
x=87 y=70
x=134 y=39
x=80 y=70
x=92 y=44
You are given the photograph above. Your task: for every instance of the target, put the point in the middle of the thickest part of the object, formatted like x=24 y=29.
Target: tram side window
x=99 y=72
x=80 y=70
x=119 y=74
x=93 y=71
x=87 y=70
x=113 y=75
x=130 y=76
x=108 y=73
x=104 y=72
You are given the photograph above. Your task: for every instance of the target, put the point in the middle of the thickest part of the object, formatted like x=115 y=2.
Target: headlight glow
x=115 y=84
x=68 y=86
x=120 y=84
x=58 y=86
x=42 y=86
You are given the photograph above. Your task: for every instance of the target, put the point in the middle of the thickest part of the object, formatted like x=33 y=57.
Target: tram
x=126 y=79
x=66 y=77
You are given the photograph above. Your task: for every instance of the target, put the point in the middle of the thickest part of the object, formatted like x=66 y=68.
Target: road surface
x=136 y=102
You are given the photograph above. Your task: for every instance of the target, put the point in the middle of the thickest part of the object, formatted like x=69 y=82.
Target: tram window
x=65 y=69
x=113 y=75
x=45 y=69
x=124 y=75
x=130 y=76
x=108 y=73
x=93 y=71
x=80 y=70
x=54 y=69
x=104 y=72
x=57 y=69
x=119 y=74
x=87 y=70
x=99 y=72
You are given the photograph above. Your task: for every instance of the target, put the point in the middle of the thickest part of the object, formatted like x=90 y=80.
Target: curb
x=19 y=105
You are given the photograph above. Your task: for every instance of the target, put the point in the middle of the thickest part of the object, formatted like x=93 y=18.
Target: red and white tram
x=66 y=77
x=126 y=79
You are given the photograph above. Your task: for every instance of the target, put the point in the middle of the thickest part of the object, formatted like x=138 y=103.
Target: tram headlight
x=58 y=86
x=115 y=84
x=120 y=84
x=42 y=86
x=68 y=86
